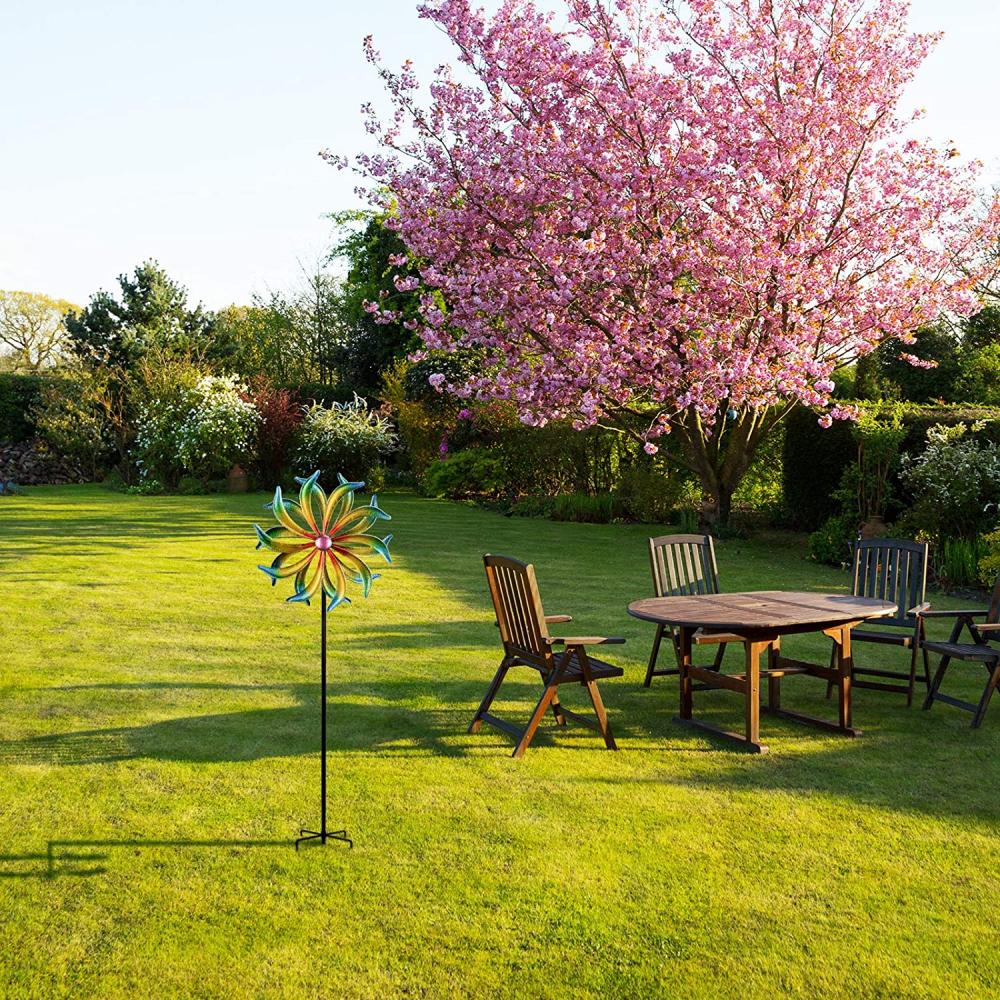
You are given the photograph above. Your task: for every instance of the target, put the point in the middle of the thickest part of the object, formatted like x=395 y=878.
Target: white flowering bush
x=345 y=438
x=955 y=482
x=190 y=423
x=161 y=396
x=218 y=429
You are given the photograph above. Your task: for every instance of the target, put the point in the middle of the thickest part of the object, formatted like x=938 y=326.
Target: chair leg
x=936 y=682
x=720 y=653
x=602 y=716
x=984 y=702
x=833 y=666
x=491 y=693
x=652 y=656
x=557 y=710
x=913 y=677
x=536 y=717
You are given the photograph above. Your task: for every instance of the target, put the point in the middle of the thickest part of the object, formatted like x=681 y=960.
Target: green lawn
x=154 y=688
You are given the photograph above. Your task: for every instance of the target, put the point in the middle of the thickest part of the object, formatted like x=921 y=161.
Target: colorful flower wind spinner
x=326 y=543
x=322 y=542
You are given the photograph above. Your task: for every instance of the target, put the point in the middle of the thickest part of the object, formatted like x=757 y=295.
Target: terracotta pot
x=237 y=480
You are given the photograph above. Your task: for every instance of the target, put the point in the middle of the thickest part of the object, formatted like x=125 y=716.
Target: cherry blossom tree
x=676 y=217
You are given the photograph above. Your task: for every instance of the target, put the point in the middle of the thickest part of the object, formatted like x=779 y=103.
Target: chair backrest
x=683 y=565
x=518 y=607
x=993 y=615
x=891 y=569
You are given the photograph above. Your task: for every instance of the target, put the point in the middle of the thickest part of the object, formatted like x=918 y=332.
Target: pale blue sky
x=188 y=130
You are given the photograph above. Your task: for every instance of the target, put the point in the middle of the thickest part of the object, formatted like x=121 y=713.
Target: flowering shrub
x=280 y=416
x=219 y=427
x=189 y=422
x=345 y=438
x=162 y=395
x=955 y=482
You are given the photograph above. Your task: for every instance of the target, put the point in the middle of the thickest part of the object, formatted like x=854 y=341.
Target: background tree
x=32 y=332
x=151 y=312
x=260 y=338
x=376 y=260
x=681 y=214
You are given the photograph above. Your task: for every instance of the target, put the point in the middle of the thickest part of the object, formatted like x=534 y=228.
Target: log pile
x=33 y=463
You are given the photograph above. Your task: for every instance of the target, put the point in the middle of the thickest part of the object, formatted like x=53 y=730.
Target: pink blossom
x=601 y=264
x=912 y=359
x=826 y=420
x=649 y=448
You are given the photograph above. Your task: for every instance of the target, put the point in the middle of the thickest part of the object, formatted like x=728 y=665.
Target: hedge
x=814 y=459
x=18 y=396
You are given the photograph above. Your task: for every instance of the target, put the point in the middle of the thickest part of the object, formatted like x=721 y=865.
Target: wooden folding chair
x=892 y=569
x=980 y=650
x=524 y=632
x=683 y=565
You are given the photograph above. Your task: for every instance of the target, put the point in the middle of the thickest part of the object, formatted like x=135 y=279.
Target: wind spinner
x=322 y=542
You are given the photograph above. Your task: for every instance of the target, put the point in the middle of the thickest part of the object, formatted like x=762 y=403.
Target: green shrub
x=476 y=472
x=649 y=495
x=532 y=507
x=344 y=438
x=813 y=462
x=814 y=459
x=955 y=483
x=688 y=521
x=989 y=561
x=114 y=481
x=584 y=508
x=956 y=561
x=191 y=486
x=148 y=487
x=72 y=415
x=20 y=396
x=325 y=395
x=832 y=543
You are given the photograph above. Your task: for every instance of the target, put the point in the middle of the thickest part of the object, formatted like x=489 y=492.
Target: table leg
x=845 y=664
x=773 y=683
x=684 y=662
x=752 y=709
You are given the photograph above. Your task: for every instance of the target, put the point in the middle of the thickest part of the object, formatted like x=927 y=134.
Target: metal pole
x=323 y=835
x=322 y=783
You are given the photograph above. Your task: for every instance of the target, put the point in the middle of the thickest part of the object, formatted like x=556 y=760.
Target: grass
x=158 y=721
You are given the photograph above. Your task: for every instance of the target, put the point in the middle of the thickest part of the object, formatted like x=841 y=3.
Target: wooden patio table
x=759 y=619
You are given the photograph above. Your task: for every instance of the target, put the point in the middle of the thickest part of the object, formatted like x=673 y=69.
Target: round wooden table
x=759 y=619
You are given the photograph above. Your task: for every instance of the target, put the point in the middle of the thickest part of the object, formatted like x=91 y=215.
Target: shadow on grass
x=387 y=719
x=64 y=857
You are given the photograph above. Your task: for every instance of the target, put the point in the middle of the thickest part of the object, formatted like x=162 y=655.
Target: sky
x=189 y=130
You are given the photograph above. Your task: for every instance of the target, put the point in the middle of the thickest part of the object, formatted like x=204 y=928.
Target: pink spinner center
x=324 y=542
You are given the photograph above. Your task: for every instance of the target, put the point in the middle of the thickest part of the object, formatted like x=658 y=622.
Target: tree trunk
x=720 y=454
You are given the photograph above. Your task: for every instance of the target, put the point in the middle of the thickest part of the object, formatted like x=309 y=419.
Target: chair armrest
x=978 y=613
x=588 y=640
x=557 y=619
x=920 y=609
x=991 y=627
